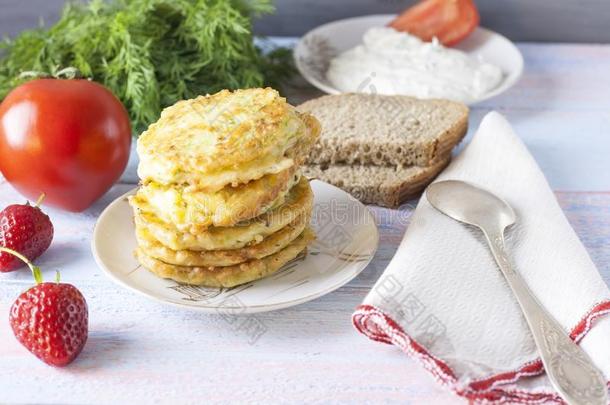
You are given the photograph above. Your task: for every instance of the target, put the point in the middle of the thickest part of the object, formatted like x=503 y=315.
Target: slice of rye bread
x=381 y=130
x=380 y=185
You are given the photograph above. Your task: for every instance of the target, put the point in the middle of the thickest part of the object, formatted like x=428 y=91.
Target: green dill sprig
x=151 y=53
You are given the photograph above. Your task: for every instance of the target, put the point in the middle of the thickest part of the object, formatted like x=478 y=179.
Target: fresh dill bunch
x=151 y=53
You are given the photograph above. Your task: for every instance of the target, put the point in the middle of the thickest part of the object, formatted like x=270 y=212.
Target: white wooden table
x=140 y=351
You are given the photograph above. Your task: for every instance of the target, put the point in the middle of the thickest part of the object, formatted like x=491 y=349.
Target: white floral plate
x=347 y=239
x=319 y=46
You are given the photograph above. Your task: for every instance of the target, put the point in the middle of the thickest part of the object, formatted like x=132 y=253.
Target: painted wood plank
x=588 y=212
x=520 y=20
x=141 y=351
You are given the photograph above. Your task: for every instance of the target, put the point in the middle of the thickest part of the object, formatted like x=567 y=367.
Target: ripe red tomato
x=448 y=20
x=69 y=139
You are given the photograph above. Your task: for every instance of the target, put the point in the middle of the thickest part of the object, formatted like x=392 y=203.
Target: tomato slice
x=448 y=20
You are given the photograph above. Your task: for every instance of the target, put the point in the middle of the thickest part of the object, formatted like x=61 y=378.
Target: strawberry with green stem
x=50 y=319
x=26 y=229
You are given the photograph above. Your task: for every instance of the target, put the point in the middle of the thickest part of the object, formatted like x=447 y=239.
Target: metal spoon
x=570 y=370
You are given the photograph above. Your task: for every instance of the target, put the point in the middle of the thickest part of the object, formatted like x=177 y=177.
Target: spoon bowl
x=472 y=205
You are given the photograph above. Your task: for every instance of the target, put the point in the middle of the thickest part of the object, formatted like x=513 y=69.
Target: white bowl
x=319 y=46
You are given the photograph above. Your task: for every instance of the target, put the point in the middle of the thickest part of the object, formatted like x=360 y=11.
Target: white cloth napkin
x=443 y=301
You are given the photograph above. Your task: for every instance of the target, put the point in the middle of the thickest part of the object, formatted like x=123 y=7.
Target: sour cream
x=392 y=62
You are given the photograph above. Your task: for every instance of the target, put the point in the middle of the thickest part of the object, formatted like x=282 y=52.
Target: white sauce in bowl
x=392 y=62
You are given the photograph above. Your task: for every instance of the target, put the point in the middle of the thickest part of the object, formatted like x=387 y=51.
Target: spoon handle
x=569 y=368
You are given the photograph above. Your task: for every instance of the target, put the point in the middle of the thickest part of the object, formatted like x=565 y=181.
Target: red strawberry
x=26 y=229
x=50 y=319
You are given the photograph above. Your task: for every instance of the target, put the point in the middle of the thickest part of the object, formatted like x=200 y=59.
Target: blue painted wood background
x=141 y=351
x=519 y=20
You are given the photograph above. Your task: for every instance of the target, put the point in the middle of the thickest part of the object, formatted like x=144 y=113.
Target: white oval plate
x=319 y=46
x=347 y=239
